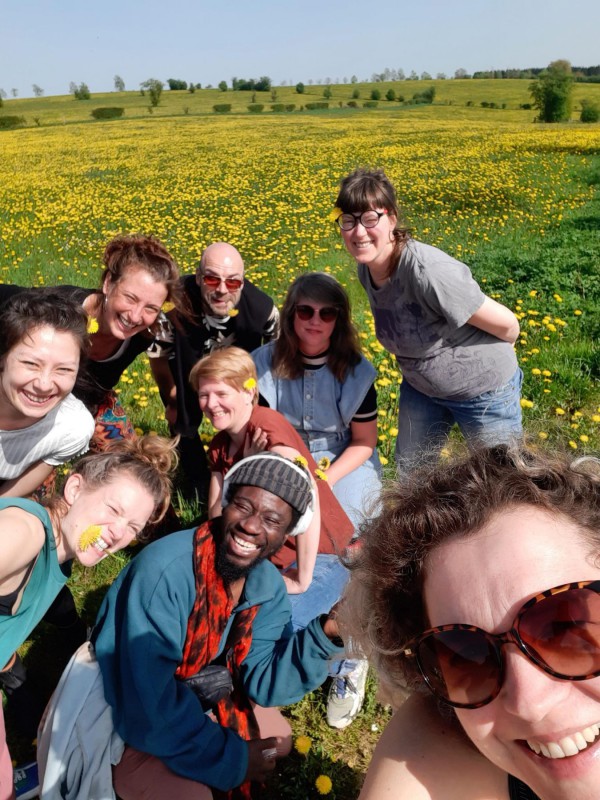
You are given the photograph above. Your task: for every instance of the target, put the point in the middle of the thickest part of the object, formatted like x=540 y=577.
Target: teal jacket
x=139 y=641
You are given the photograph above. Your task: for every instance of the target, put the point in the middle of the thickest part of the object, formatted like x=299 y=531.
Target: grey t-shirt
x=421 y=317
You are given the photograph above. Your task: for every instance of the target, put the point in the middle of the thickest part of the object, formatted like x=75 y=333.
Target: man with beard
x=224 y=309
x=202 y=615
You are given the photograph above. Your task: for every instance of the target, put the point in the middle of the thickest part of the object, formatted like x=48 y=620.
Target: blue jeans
x=329 y=579
x=424 y=422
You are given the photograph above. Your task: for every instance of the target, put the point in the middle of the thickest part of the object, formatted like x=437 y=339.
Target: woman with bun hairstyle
x=453 y=344
x=107 y=501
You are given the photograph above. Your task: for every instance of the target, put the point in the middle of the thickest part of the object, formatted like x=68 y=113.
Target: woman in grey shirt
x=453 y=344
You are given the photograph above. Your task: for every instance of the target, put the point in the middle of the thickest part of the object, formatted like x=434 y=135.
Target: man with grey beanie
x=194 y=642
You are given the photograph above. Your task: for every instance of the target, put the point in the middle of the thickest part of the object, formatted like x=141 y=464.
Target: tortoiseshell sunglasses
x=558 y=630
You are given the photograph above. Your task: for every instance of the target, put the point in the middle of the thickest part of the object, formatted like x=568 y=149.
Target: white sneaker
x=346 y=696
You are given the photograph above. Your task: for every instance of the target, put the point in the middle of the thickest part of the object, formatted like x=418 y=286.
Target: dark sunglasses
x=326 y=314
x=558 y=631
x=232 y=284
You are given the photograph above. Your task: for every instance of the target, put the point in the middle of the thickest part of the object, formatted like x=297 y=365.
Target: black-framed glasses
x=557 y=630
x=368 y=219
x=326 y=314
x=213 y=282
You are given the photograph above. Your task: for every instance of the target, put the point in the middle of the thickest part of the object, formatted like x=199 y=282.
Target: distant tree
x=273 y=95
x=375 y=94
x=461 y=74
x=310 y=81
x=223 y=86
x=263 y=84
x=3 y=94
x=300 y=88
x=441 y=76
x=425 y=76
x=590 y=111
x=345 y=79
x=390 y=95
x=154 y=88
x=552 y=92
x=355 y=94
x=198 y=86
x=191 y=88
x=176 y=85
x=37 y=90
x=413 y=76
x=354 y=79
x=119 y=83
x=284 y=83
x=400 y=75
x=14 y=92
x=327 y=81
x=80 y=92
x=72 y=87
x=327 y=92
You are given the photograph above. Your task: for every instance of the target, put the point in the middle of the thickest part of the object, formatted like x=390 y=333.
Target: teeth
x=244 y=544
x=569 y=746
x=33 y=398
x=100 y=544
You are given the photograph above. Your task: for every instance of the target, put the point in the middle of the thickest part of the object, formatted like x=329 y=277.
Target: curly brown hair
x=384 y=608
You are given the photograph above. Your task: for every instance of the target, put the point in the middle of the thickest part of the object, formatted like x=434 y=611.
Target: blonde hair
x=232 y=365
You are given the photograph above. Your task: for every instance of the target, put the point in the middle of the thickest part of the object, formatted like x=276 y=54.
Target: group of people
x=207 y=630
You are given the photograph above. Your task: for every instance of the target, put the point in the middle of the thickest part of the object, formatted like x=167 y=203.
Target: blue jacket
x=141 y=631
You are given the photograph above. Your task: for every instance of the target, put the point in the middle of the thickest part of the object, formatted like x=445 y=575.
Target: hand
x=261 y=764
x=255 y=444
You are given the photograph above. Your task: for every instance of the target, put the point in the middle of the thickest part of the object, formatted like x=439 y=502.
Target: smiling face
x=255 y=524
x=132 y=303
x=221 y=262
x=37 y=373
x=372 y=246
x=227 y=408
x=483 y=580
x=118 y=511
x=314 y=334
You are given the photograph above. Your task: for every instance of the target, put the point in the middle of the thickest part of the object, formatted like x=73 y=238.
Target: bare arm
x=496 y=319
x=18 y=549
x=215 y=495
x=362 y=444
x=27 y=482
x=166 y=387
x=307 y=544
x=421 y=756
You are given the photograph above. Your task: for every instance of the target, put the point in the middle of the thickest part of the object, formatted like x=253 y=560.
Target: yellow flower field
x=267 y=185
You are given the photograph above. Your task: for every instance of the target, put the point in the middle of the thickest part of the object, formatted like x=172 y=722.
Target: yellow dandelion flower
x=303 y=744
x=584 y=438
x=526 y=403
x=323 y=784
x=334 y=214
x=595 y=417
x=536 y=371
x=233 y=312
x=320 y=475
x=572 y=444
x=167 y=306
x=558 y=298
x=90 y=535
x=301 y=461
x=542 y=435
x=577 y=312
x=92 y=325
x=560 y=412
x=324 y=463
x=249 y=384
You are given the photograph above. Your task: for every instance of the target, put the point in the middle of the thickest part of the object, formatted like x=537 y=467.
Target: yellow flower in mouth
x=167 y=306
x=249 y=384
x=303 y=744
x=92 y=325
x=324 y=463
x=320 y=475
x=90 y=535
x=323 y=784
x=334 y=214
x=233 y=312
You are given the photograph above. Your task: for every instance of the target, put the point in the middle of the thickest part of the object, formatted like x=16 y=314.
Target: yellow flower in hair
x=92 y=325
x=324 y=463
x=249 y=384
x=320 y=475
x=90 y=535
x=301 y=461
x=303 y=744
x=333 y=215
x=323 y=784
x=233 y=312
x=167 y=306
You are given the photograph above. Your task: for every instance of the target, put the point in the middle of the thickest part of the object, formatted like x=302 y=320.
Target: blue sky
x=54 y=42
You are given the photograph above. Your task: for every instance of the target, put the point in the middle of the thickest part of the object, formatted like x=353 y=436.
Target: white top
x=64 y=433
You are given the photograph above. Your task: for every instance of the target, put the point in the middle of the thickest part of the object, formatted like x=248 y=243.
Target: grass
x=516 y=201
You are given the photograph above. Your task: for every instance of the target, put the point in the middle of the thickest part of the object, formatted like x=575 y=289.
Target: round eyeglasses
x=368 y=219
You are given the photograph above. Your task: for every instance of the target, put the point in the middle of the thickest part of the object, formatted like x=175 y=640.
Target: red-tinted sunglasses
x=326 y=314
x=558 y=631
x=213 y=282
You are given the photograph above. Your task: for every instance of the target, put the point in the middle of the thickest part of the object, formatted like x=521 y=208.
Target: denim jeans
x=424 y=422
x=329 y=579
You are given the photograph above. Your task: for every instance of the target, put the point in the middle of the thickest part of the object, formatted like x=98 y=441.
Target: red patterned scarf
x=206 y=624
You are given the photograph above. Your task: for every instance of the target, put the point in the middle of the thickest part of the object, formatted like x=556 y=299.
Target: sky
x=54 y=42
